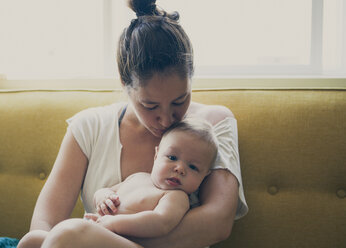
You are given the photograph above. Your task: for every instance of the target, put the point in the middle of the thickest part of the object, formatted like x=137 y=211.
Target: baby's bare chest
x=137 y=196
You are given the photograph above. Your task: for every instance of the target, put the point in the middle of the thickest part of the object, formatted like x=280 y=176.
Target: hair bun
x=143 y=7
x=149 y=8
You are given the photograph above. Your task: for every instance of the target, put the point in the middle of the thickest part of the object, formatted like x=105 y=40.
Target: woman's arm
x=60 y=193
x=211 y=222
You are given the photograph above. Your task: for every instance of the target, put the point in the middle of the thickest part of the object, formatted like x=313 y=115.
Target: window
x=267 y=37
x=77 y=39
x=51 y=39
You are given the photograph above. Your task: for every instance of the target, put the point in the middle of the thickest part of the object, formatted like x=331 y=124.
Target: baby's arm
x=160 y=221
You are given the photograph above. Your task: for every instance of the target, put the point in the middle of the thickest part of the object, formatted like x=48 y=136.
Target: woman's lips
x=173 y=181
x=160 y=132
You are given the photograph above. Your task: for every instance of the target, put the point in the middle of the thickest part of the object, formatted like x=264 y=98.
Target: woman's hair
x=154 y=42
x=199 y=128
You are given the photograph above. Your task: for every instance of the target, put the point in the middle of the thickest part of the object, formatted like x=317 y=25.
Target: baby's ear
x=156 y=151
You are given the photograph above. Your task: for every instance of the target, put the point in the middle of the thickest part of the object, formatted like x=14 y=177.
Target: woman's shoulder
x=99 y=112
x=105 y=109
x=212 y=113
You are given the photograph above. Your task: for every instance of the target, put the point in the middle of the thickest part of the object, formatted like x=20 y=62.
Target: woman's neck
x=133 y=123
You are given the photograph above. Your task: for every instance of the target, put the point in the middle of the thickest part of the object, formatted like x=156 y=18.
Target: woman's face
x=162 y=101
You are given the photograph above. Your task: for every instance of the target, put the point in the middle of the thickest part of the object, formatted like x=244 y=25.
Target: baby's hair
x=198 y=127
x=154 y=42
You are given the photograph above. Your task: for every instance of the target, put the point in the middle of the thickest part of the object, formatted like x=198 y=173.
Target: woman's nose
x=166 y=119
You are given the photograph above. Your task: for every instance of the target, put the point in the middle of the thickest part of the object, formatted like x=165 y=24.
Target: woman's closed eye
x=150 y=108
x=178 y=103
x=153 y=107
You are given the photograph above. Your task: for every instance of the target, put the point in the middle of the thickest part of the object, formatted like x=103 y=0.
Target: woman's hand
x=106 y=202
x=92 y=217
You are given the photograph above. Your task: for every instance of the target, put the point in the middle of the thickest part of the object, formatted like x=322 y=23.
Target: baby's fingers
x=99 y=211
x=115 y=199
x=104 y=209
x=110 y=206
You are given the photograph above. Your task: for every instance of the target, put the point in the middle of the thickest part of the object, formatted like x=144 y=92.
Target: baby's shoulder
x=212 y=113
x=176 y=199
x=178 y=195
x=137 y=176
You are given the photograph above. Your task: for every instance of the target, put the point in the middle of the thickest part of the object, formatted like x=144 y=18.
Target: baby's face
x=181 y=162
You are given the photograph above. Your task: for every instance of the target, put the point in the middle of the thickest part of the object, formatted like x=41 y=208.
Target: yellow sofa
x=292 y=148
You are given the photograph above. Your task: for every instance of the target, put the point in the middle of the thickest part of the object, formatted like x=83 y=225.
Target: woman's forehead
x=169 y=86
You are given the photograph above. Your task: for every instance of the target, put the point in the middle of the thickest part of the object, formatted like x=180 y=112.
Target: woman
x=105 y=145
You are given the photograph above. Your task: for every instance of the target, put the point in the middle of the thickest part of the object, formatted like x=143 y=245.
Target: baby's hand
x=106 y=202
x=106 y=221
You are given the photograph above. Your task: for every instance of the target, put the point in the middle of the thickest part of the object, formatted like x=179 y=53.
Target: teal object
x=8 y=242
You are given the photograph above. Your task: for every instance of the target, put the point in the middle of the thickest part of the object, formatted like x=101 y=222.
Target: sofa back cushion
x=292 y=150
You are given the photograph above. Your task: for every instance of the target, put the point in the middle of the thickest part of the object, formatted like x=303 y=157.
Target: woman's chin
x=157 y=133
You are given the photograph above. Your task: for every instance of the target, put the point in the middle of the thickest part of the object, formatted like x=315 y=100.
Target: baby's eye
x=172 y=157
x=193 y=167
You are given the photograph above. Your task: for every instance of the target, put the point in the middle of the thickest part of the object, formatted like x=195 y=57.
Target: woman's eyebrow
x=176 y=99
x=180 y=97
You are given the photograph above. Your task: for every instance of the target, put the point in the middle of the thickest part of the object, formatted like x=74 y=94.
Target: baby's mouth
x=173 y=181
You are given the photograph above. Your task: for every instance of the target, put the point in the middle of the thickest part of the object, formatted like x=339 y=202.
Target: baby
x=153 y=204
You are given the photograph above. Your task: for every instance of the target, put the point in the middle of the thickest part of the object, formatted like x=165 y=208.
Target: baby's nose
x=179 y=169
